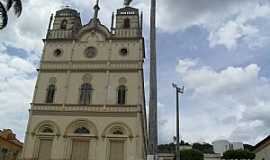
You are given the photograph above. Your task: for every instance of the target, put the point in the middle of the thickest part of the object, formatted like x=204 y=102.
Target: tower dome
x=67 y=23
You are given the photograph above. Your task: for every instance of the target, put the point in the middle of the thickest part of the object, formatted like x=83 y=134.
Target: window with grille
x=86 y=94
x=64 y=24
x=126 y=23
x=121 y=95
x=50 y=93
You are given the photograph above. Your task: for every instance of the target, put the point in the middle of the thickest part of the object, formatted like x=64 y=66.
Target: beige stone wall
x=263 y=154
x=99 y=144
x=105 y=72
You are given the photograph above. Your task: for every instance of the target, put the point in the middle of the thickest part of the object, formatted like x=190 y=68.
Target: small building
x=237 y=145
x=10 y=146
x=221 y=146
x=262 y=149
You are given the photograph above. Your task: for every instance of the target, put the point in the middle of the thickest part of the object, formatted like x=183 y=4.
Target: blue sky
x=218 y=49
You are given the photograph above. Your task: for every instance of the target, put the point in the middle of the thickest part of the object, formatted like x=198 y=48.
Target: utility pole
x=178 y=91
x=153 y=127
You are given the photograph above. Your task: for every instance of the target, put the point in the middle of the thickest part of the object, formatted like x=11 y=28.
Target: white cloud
x=227 y=22
x=17 y=85
x=225 y=104
x=27 y=31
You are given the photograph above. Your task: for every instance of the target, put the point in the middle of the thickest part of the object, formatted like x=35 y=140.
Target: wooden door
x=117 y=150
x=80 y=150
x=45 y=149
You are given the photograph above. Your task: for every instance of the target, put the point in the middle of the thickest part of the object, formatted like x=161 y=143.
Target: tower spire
x=96 y=9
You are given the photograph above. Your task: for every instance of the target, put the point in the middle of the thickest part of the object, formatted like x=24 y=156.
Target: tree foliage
x=238 y=154
x=170 y=148
x=204 y=148
x=191 y=154
x=166 y=148
x=249 y=147
x=15 y=4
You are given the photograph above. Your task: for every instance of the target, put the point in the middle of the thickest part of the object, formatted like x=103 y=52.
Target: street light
x=181 y=91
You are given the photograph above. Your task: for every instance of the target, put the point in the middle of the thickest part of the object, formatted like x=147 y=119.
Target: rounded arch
x=48 y=125
x=126 y=130
x=79 y=124
x=121 y=94
x=64 y=24
x=126 y=23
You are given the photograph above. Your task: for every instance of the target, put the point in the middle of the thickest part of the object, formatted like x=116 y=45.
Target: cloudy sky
x=218 y=49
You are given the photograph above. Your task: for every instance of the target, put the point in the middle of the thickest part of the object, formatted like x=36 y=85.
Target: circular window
x=123 y=52
x=90 y=52
x=58 y=52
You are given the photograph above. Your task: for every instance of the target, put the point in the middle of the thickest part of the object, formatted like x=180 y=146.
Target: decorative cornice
x=36 y=108
x=93 y=66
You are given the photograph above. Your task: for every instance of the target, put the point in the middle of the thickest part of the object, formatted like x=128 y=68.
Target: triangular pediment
x=94 y=26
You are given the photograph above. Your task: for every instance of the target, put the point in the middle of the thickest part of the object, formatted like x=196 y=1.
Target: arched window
x=121 y=94
x=82 y=130
x=47 y=130
x=50 y=93
x=86 y=93
x=63 y=24
x=127 y=23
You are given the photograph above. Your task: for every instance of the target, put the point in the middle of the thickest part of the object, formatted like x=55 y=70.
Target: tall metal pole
x=181 y=91
x=153 y=128
x=177 y=126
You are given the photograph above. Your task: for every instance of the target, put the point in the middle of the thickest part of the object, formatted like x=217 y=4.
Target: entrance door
x=80 y=150
x=45 y=149
x=117 y=150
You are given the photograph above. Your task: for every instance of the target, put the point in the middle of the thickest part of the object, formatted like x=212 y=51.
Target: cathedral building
x=89 y=101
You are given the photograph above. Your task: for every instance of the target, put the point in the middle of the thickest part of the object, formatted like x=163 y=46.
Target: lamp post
x=178 y=91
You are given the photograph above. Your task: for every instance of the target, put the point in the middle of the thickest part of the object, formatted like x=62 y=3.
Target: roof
x=67 y=12
x=8 y=136
x=127 y=11
x=261 y=145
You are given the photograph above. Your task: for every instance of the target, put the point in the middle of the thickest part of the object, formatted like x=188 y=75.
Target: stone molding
x=89 y=65
x=90 y=108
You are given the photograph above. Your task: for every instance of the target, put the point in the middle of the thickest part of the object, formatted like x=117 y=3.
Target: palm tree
x=17 y=6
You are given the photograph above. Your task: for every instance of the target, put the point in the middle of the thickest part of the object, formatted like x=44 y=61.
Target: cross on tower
x=127 y=2
x=96 y=8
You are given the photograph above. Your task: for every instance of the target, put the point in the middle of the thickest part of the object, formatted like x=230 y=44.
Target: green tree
x=5 y=6
x=248 y=147
x=191 y=154
x=204 y=148
x=238 y=154
x=166 y=148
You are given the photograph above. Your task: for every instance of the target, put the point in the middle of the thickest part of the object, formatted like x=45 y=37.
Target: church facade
x=89 y=101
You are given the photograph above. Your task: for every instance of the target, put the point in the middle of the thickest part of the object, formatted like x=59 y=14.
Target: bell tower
x=67 y=23
x=128 y=23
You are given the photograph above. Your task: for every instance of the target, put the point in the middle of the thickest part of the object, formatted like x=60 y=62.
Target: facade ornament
x=52 y=80
x=122 y=81
x=87 y=78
